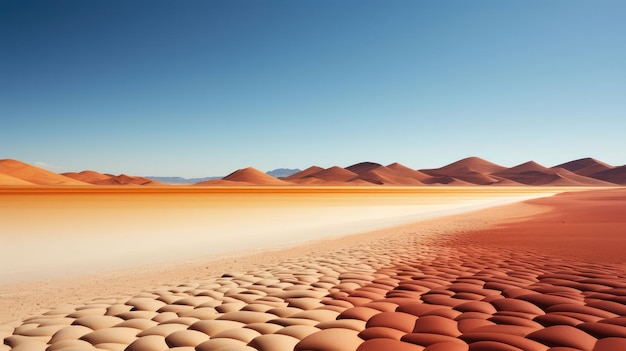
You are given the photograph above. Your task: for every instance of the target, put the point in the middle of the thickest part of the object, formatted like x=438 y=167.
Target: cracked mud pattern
x=405 y=293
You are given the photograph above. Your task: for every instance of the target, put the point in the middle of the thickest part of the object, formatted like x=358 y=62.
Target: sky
x=202 y=88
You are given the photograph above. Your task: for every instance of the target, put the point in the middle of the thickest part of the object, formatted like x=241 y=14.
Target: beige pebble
x=120 y=335
x=149 y=343
x=162 y=330
x=97 y=322
x=274 y=342
x=213 y=327
x=186 y=338
x=326 y=340
x=241 y=334
x=218 y=344
x=69 y=333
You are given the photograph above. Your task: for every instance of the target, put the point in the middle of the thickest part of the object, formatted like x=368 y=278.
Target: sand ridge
x=435 y=285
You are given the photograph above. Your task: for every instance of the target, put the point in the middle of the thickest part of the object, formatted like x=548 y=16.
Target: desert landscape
x=356 y=259
x=328 y=175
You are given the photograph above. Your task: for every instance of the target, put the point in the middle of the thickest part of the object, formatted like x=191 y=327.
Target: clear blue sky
x=199 y=88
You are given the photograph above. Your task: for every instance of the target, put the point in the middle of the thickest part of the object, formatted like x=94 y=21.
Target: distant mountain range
x=466 y=172
x=276 y=173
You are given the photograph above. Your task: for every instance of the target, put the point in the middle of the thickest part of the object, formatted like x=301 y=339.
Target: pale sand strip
x=53 y=235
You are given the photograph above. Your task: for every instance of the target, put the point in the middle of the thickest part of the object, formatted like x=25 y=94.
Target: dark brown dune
x=532 y=173
x=34 y=174
x=363 y=167
x=577 y=165
x=593 y=169
x=250 y=176
x=91 y=177
x=616 y=175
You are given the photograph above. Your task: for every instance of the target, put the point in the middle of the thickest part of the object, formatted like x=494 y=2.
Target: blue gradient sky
x=200 y=88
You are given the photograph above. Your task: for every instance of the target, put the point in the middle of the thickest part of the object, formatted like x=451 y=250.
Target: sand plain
x=437 y=284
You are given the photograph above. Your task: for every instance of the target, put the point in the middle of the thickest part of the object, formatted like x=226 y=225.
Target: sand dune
x=381 y=175
x=248 y=176
x=407 y=172
x=363 y=167
x=88 y=176
x=584 y=163
x=34 y=174
x=124 y=179
x=305 y=173
x=532 y=173
x=6 y=179
x=474 y=164
x=471 y=170
x=445 y=180
x=334 y=174
x=615 y=175
x=385 y=176
x=592 y=169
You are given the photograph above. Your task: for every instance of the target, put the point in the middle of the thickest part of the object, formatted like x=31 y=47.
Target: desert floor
x=268 y=269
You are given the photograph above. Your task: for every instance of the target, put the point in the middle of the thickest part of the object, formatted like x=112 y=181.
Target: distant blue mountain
x=283 y=172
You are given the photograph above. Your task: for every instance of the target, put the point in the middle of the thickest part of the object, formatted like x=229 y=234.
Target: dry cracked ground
x=408 y=292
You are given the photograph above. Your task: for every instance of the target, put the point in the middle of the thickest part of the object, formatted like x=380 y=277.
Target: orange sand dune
x=124 y=179
x=380 y=175
x=248 y=176
x=87 y=176
x=404 y=171
x=6 y=179
x=385 y=176
x=334 y=174
x=305 y=173
x=475 y=164
x=34 y=174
